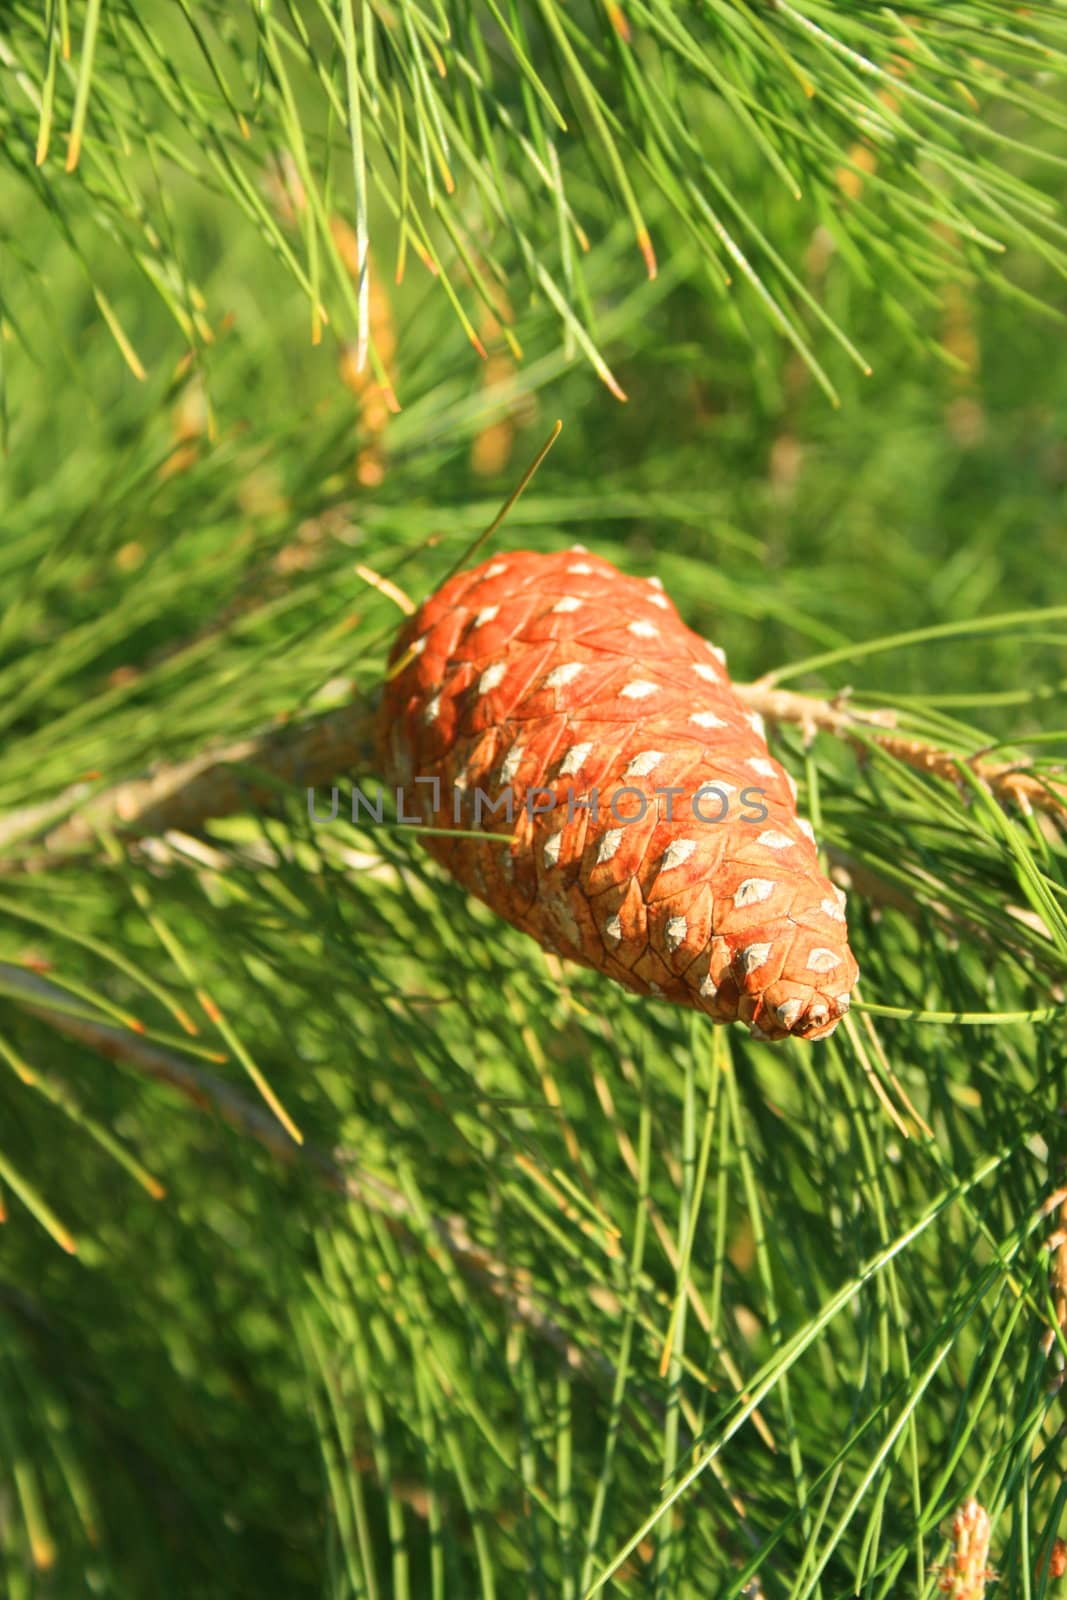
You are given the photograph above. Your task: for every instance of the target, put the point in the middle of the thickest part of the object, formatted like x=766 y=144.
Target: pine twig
x=219 y=783
x=1005 y=779
x=224 y=782
x=341 y=1172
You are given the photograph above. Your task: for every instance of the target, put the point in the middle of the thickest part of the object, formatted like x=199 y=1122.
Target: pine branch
x=249 y=774
x=346 y=1175
x=342 y=1172
x=551 y=1192
x=220 y=783
x=1006 y=780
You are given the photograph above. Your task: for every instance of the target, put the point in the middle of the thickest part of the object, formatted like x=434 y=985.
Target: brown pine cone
x=651 y=834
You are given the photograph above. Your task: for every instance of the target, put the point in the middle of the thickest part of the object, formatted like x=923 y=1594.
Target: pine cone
x=651 y=834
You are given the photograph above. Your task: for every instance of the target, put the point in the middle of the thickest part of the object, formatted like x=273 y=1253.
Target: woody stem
x=250 y=773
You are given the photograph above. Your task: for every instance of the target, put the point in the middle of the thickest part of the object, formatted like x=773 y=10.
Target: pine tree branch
x=341 y=1172
x=1007 y=781
x=249 y=774
x=220 y=783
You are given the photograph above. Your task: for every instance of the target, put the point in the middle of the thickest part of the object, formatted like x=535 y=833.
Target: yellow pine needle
x=557 y=428
x=385 y=586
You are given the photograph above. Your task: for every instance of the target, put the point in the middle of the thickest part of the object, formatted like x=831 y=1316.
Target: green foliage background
x=446 y=1381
